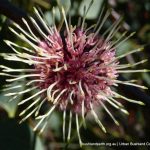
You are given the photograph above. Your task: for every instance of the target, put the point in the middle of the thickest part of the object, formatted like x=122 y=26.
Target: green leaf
x=146 y=78
x=39 y=144
x=94 y=9
x=125 y=47
x=12 y=106
x=65 y=3
x=54 y=123
x=48 y=17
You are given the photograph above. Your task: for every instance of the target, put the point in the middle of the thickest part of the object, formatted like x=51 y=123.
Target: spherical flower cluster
x=73 y=70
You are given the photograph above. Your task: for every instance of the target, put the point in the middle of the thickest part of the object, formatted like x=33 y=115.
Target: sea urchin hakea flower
x=72 y=69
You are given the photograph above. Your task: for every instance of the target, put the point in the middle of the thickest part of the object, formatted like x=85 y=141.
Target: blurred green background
x=133 y=128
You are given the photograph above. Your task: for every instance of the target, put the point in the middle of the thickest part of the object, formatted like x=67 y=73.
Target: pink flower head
x=73 y=70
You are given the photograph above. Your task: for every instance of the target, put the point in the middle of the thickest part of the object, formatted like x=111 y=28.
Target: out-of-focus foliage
x=135 y=127
x=14 y=136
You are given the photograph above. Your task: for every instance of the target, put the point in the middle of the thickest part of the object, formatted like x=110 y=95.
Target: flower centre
x=80 y=65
